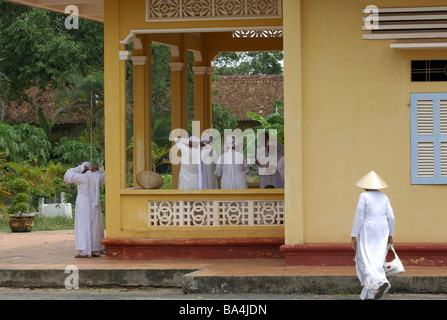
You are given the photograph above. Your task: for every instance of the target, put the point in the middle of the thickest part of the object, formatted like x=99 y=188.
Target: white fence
x=55 y=209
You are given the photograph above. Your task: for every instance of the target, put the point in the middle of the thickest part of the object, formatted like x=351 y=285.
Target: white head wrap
x=206 y=137
x=232 y=141
x=194 y=139
x=87 y=164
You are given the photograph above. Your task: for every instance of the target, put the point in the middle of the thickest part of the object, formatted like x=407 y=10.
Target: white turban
x=232 y=141
x=195 y=141
x=87 y=164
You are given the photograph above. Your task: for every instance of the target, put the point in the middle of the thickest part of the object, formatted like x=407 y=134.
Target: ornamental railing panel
x=216 y=213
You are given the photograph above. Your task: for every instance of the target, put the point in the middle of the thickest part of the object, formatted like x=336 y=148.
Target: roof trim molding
x=135 y=32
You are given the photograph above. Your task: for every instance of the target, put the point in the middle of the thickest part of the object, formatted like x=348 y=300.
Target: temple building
x=365 y=88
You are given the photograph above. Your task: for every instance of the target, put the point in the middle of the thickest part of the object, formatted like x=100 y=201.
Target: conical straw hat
x=371 y=181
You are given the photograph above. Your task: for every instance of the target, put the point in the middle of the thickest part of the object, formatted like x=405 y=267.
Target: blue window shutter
x=429 y=138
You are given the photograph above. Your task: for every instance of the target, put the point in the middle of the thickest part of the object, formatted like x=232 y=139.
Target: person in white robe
x=232 y=167
x=267 y=158
x=190 y=177
x=89 y=225
x=208 y=162
x=372 y=230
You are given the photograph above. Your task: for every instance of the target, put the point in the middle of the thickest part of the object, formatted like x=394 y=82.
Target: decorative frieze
x=182 y=10
x=266 y=33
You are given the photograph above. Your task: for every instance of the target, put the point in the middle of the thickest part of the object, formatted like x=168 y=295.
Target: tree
x=75 y=151
x=161 y=78
x=44 y=124
x=24 y=143
x=37 y=50
x=84 y=95
x=274 y=121
x=4 y=90
x=4 y=193
x=223 y=119
x=249 y=63
x=161 y=128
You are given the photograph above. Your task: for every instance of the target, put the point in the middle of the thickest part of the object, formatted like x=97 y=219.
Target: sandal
x=379 y=293
x=81 y=256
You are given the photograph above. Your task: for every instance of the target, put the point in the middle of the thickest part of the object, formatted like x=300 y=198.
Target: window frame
x=428 y=73
x=437 y=138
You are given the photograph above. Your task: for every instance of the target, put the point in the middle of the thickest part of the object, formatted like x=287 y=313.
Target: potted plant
x=19 y=220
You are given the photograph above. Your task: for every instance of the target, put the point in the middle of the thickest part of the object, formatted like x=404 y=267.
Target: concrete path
x=41 y=259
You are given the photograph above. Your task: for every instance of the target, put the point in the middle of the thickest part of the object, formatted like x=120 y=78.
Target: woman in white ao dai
x=372 y=229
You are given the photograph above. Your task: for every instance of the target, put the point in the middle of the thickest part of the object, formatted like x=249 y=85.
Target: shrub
x=20 y=188
x=44 y=181
x=20 y=207
x=73 y=152
x=24 y=143
x=20 y=185
x=20 y=197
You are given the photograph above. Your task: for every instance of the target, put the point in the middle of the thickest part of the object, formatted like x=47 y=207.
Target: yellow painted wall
x=356 y=118
x=347 y=112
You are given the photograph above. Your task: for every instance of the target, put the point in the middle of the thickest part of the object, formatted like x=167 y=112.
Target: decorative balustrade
x=212 y=209
x=216 y=213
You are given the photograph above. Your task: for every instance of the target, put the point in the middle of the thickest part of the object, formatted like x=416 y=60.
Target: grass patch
x=43 y=224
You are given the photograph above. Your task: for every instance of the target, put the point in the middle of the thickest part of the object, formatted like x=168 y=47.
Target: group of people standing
x=231 y=166
x=372 y=229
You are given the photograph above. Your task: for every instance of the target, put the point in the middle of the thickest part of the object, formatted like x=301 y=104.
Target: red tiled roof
x=248 y=93
x=27 y=112
x=239 y=93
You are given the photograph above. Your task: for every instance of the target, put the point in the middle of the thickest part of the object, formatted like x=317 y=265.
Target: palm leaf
x=258 y=118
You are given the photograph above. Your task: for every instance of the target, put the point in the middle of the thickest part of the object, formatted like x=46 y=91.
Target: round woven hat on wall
x=371 y=181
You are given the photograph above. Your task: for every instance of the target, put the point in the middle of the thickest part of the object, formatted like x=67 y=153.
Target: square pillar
x=202 y=96
x=114 y=114
x=179 y=104
x=293 y=189
x=142 y=110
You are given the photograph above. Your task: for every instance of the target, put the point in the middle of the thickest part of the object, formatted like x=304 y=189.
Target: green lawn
x=43 y=224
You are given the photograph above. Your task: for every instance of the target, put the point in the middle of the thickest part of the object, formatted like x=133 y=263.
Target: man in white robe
x=267 y=158
x=372 y=230
x=89 y=225
x=208 y=156
x=232 y=167
x=190 y=177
